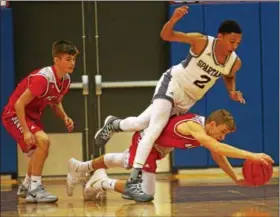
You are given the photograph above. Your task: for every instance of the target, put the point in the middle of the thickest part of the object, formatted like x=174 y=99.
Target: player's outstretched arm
x=199 y=133
x=168 y=33
x=225 y=165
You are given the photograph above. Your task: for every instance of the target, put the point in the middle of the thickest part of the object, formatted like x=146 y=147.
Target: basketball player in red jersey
x=185 y=132
x=22 y=115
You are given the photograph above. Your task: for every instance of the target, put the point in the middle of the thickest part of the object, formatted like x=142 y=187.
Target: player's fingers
x=69 y=123
x=29 y=141
x=33 y=139
x=269 y=159
x=264 y=161
x=242 y=100
x=70 y=128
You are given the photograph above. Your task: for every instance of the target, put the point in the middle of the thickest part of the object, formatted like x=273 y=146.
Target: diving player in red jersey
x=22 y=115
x=185 y=132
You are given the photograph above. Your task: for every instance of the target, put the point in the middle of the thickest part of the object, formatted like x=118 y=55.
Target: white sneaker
x=74 y=177
x=40 y=195
x=93 y=189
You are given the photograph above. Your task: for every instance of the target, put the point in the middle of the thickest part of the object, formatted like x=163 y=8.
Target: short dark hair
x=222 y=116
x=64 y=47
x=229 y=26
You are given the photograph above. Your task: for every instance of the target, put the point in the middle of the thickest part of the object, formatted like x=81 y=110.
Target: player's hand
x=179 y=13
x=29 y=139
x=263 y=158
x=69 y=124
x=241 y=182
x=237 y=96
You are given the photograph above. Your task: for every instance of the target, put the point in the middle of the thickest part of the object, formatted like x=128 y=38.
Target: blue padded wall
x=8 y=146
x=270 y=77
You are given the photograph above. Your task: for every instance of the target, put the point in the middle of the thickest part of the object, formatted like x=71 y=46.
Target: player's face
x=66 y=63
x=218 y=132
x=230 y=42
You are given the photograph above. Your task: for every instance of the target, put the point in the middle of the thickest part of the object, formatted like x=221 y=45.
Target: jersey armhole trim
x=47 y=83
x=179 y=134
x=205 y=46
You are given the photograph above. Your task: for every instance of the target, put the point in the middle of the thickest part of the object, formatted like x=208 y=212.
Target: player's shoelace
x=137 y=189
x=107 y=132
x=41 y=189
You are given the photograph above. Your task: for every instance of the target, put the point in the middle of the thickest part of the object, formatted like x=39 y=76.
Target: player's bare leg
x=23 y=188
x=100 y=182
x=36 y=192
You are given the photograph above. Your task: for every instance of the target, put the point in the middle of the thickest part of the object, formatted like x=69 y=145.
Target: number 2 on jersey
x=201 y=83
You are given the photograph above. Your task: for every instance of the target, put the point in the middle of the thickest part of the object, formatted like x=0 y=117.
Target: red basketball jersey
x=170 y=137
x=45 y=86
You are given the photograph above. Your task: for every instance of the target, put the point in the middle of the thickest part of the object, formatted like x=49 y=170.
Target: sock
x=135 y=174
x=108 y=184
x=116 y=124
x=138 y=165
x=26 y=181
x=85 y=166
x=35 y=181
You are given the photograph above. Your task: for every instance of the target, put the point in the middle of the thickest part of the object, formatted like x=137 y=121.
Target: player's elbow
x=163 y=36
x=166 y=35
x=216 y=156
x=19 y=105
x=213 y=148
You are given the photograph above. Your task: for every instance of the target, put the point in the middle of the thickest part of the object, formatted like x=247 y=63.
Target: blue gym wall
x=8 y=148
x=257 y=120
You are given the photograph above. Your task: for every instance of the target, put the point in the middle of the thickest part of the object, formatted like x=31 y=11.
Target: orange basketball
x=256 y=173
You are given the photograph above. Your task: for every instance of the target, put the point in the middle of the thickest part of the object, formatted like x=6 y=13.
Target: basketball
x=256 y=173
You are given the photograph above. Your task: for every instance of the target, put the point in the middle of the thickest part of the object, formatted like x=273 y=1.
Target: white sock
x=35 y=181
x=85 y=166
x=109 y=184
x=26 y=181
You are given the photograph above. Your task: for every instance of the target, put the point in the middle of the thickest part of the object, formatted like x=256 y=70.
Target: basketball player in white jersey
x=181 y=86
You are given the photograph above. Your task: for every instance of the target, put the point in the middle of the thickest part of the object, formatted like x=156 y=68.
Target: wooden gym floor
x=200 y=193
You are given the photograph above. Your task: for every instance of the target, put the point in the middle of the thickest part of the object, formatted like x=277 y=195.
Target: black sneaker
x=133 y=188
x=106 y=132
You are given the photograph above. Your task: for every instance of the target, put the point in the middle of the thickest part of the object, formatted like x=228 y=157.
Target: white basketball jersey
x=198 y=73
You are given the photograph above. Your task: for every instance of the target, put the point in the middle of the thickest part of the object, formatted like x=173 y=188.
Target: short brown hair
x=64 y=47
x=222 y=116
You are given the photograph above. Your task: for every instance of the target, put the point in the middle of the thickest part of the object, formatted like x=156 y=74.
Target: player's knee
x=43 y=142
x=112 y=160
x=140 y=125
x=162 y=116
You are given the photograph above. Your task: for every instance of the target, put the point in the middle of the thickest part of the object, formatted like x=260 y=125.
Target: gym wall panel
x=8 y=146
x=270 y=77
